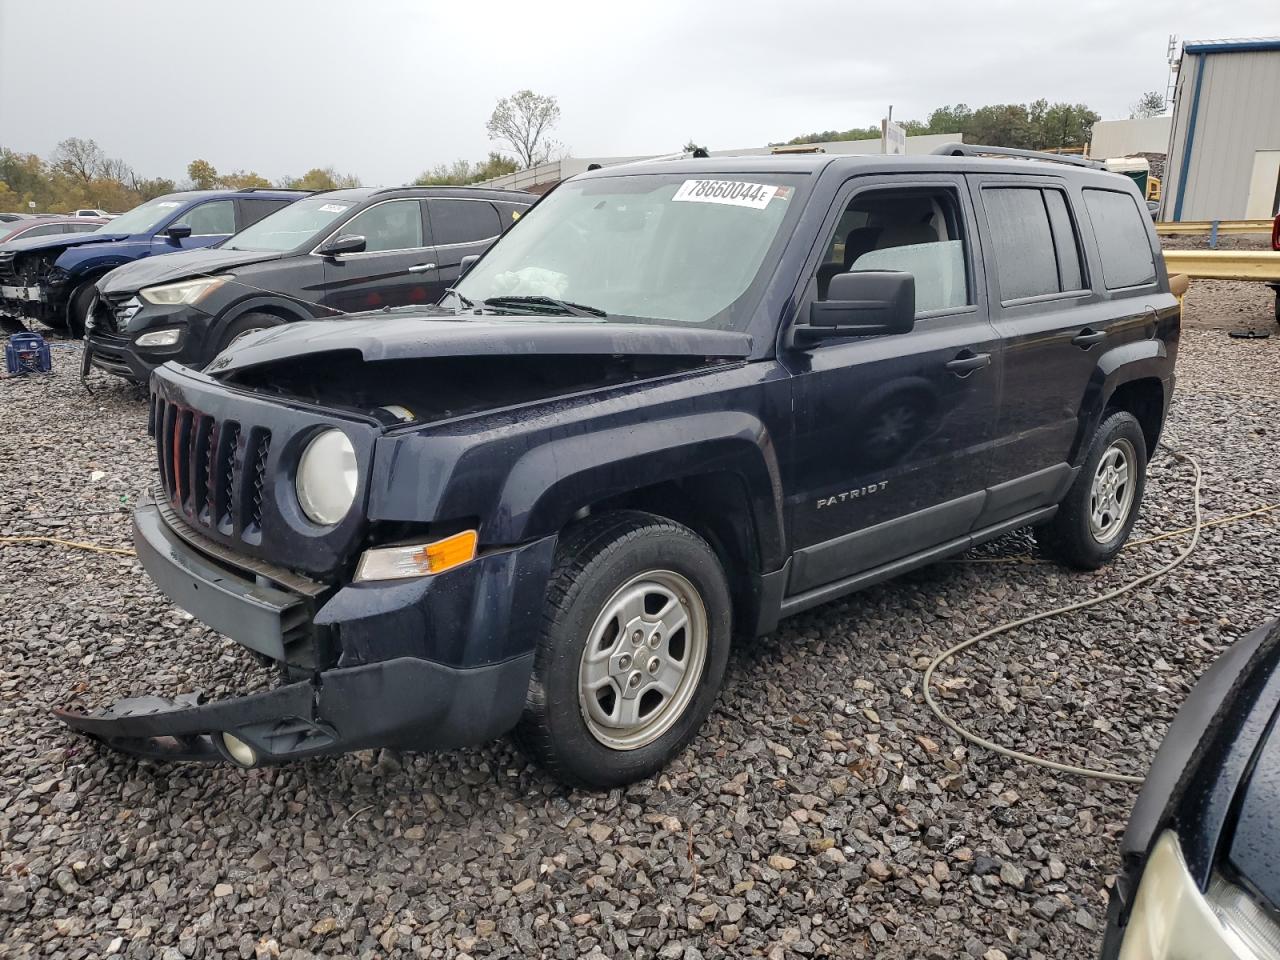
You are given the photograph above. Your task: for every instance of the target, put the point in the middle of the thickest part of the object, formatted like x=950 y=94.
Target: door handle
x=1087 y=337
x=422 y=267
x=966 y=362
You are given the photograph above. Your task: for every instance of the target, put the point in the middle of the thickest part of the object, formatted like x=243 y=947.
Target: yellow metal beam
x=1225 y=264
x=1196 y=227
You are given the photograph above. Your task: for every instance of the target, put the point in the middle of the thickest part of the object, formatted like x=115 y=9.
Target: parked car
x=329 y=254
x=677 y=401
x=99 y=214
x=1200 y=867
x=47 y=227
x=11 y=217
x=51 y=279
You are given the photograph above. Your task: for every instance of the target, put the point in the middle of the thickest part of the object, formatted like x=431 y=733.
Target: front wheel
x=1095 y=517
x=633 y=649
x=78 y=308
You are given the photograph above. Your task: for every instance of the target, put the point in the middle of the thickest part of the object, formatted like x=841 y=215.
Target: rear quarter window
x=1123 y=242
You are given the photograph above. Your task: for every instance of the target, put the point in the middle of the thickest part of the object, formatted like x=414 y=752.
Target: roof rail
x=979 y=150
x=273 y=190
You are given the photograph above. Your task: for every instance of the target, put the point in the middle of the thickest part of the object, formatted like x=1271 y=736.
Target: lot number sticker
x=733 y=192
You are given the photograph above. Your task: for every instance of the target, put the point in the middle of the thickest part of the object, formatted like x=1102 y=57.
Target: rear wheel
x=635 y=639
x=1096 y=515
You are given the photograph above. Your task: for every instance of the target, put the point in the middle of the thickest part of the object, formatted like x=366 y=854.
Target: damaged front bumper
x=372 y=683
x=403 y=702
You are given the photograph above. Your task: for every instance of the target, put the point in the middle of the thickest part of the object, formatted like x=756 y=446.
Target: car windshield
x=291 y=226
x=142 y=218
x=659 y=248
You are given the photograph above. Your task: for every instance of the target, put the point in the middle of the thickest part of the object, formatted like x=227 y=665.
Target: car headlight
x=1240 y=913
x=159 y=338
x=185 y=291
x=327 y=477
x=1171 y=918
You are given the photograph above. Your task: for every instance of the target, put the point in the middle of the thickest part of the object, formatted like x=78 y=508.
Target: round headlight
x=327 y=477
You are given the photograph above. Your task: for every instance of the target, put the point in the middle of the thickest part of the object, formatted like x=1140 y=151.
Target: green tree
x=203 y=175
x=320 y=178
x=1150 y=104
x=524 y=121
x=241 y=179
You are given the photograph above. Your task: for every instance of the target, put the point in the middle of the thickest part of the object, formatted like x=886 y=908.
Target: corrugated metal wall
x=1238 y=113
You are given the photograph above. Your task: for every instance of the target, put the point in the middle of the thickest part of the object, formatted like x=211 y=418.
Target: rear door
x=461 y=227
x=1055 y=320
x=893 y=434
x=397 y=267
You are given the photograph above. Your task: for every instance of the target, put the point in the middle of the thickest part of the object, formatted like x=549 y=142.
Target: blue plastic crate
x=27 y=353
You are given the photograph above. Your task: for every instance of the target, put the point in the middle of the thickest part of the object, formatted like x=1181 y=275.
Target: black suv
x=677 y=401
x=329 y=254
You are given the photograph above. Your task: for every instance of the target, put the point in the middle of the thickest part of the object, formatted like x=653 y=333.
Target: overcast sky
x=387 y=88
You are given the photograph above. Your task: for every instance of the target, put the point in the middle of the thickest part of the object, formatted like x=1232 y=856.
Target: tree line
x=79 y=174
x=1039 y=125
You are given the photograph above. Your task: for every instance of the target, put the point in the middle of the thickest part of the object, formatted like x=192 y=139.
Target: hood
x=132 y=277
x=379 y=337
x=60 y=241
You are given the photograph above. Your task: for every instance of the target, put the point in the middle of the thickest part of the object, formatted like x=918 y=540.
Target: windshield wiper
x=563 y=306
x=466 y=304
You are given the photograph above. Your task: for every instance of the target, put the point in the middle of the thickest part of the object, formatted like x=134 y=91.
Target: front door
x=893 y=433
x=211 y=222
x=397 y=266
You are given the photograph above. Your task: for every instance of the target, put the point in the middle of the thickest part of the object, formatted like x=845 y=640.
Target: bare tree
x=1150 y=104
x=81 y=159
x=524 y=120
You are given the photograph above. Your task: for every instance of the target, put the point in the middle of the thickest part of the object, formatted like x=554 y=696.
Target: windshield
x=142 y=219
x=661 y=248
x=291 y=226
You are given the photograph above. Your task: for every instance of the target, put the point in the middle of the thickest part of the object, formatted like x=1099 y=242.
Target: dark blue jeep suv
x=51 y=279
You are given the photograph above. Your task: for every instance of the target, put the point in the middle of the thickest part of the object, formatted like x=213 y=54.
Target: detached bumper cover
x=404 y=702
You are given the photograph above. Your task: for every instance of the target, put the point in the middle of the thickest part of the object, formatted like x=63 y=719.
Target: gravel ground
x=822 y=812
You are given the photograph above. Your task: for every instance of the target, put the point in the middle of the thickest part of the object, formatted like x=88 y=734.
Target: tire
x=578 y=730
x=244 y=325
x=78 y=308
x=1081 y=537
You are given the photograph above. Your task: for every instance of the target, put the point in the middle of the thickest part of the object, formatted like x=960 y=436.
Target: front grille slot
x=227 y=472
x=257 y=473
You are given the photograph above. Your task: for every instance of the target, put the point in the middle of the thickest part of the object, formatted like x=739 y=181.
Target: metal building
x=1224 y=149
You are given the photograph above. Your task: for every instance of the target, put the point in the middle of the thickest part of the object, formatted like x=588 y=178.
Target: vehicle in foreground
x=328 y=254
x=51 y=279
x=1200 y=867
x=31 y=227
x=677 y=401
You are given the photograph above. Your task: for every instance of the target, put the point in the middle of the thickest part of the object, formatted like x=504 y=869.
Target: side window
x=1123 y=242
x=210 y=219
x=1066 y=243
x=918 y=231
x=394 y=225
x=253 y=210
x=80 y=227
x=462 y=221
x=1025 y=259
x=49 y=229
x=509 y=213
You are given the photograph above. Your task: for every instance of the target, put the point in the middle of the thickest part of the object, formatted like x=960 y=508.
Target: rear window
x=1121 y=229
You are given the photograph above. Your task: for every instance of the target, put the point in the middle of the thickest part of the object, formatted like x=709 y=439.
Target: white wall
x=1124 y=138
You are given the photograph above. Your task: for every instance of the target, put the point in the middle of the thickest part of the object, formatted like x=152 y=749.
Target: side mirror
x=861 y=304
x=179 y=231
x=346 y=243
x=467 y=263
